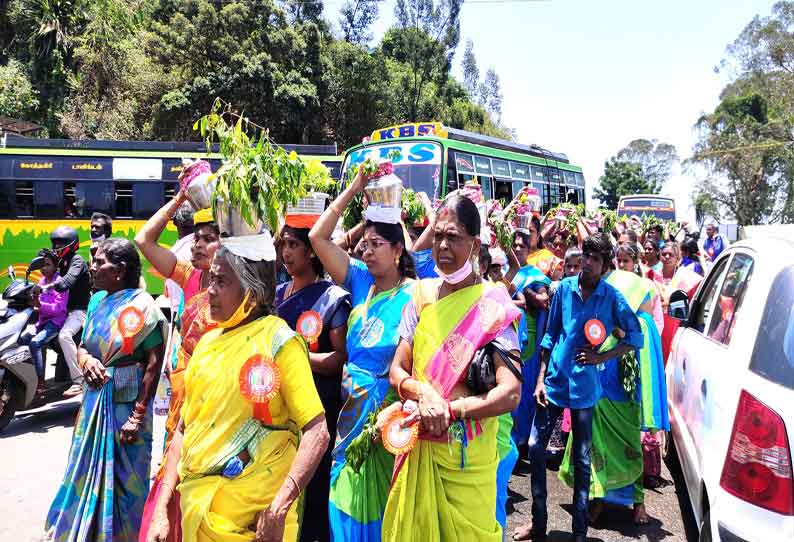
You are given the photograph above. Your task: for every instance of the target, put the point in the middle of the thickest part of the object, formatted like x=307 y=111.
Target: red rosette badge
x=310 y=326
x=595 y=332
x=260 y=381
x=399 y=440
x=130 y=323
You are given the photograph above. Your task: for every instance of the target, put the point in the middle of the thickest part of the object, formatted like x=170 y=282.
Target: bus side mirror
x=11 y=274
x=678 y=307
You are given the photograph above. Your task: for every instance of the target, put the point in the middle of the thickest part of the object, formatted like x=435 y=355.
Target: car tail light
x=757 y=466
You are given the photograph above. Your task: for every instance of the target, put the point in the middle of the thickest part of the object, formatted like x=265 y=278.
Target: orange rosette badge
x=310 y=326
x=130 y=323
x=595 y=332
x=260 y=380
x=399 y=440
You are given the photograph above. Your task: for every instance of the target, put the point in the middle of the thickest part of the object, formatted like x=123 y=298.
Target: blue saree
x=530 y=332
x=106 y=483
x=358 y=499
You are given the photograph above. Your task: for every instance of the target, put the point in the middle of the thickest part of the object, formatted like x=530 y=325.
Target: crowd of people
x=297 y=363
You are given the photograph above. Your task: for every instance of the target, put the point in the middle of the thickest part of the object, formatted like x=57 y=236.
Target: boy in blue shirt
x=569 y=376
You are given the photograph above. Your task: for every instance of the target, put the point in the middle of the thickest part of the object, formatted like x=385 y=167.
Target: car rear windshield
x=773 y=356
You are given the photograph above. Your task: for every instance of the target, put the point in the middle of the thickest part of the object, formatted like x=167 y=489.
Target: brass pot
x=385 y=191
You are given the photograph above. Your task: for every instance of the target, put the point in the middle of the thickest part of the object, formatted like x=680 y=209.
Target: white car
x=730 y=389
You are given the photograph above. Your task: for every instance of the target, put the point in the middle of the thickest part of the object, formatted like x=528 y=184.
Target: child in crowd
x=51 y=305
x=559 y=437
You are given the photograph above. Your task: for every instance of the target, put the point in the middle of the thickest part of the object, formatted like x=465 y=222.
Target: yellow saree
x=446 y=490
x=219 y=424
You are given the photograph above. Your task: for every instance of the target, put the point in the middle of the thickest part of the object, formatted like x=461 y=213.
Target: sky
x=585 y=77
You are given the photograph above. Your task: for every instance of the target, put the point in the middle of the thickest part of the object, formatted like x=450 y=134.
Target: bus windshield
x=418 y=164
x=660 y=207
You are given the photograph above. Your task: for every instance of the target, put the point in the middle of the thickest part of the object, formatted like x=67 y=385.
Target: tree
x=471 y=73
x=491 y=94
x=18 y=98
x=746 y=143
x=738 y=144
x=705 y=206
x=301 y=11
x=655 y=159
x=116 y=85
x=620 y=179
x=249 y=54
x=356 y=20
x=424 y=40
x=44 y=42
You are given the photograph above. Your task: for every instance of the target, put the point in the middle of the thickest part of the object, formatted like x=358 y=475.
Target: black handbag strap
x=509 y=359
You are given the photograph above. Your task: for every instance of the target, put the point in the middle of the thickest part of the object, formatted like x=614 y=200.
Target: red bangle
x=400 y=385
x=140 y=408
x=451 y=412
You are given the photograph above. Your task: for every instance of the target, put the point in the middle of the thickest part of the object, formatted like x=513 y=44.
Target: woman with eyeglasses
x=380 y=285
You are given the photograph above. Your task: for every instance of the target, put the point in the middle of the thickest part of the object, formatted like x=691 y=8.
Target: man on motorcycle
x=74 y=278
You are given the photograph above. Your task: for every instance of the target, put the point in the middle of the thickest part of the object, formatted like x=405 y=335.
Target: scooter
x=18 y=378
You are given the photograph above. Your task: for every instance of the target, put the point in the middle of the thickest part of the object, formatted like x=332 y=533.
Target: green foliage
x=655 y=159
x=471 y=73
x=146 y=69
x=413 y=209
x=18 y=98
x=355 y=21
x=115 y=84
x=256 y=177
x=746 y=142
x=737 y=145
x=620 y=179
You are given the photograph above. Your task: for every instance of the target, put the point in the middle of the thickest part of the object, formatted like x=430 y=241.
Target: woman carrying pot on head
x=193 y=278
x=380 y=285
x=533 y=285
x=445 y=485
x=252 y=430
x=318 y=311
x=107 y=473
x=651 y=263
x=673 y=276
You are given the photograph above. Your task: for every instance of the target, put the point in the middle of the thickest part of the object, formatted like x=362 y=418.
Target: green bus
x=45 y=183
x=437 y=160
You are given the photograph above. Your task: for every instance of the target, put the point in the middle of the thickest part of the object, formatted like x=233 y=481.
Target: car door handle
x=703 y=388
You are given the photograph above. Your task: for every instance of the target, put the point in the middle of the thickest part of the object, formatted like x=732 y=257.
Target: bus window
x=538 y=174
x=123 y=196
x=482 y=165
x=517 y=186
x=49 y=199
x=500 y=168
x=503 y=190
x=24 y=199
x=170 y=190
x=81 y=200
x=6 y=199
x=519 y=170
x=146 y=199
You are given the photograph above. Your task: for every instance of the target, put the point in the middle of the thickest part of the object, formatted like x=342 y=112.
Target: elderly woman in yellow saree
x=252 y=429
x=444 y=488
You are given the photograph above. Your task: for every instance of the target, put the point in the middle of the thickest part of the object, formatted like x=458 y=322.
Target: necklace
x=291 y=290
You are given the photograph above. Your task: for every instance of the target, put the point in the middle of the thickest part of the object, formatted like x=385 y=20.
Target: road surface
x=34 y=449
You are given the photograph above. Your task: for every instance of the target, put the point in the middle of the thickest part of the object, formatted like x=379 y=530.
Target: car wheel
x=705 y=528
x=9 y=400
